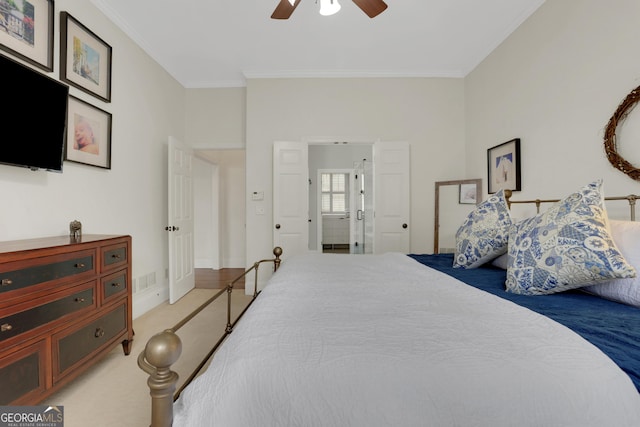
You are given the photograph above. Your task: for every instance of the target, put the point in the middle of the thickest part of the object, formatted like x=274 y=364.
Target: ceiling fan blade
x=371 y=7
x=284 y=9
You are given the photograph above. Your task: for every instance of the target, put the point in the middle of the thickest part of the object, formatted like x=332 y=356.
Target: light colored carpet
x=114 y=391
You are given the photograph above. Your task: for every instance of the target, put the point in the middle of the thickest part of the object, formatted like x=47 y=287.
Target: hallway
x=208 y=278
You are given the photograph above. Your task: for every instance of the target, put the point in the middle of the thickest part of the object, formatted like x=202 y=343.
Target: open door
x=392 y=197
x=362 y=214
x=180 y=227
x=291 y=197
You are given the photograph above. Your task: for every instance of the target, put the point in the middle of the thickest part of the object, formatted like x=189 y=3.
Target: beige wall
x=215 y=127
x=131 y=198
x=220 y=212
x=427 y=113
x=215 y=118
x=554 y=83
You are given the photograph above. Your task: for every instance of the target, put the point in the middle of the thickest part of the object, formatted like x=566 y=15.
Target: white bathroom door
x=392 y=198
x=291 y=197
x=180 y=227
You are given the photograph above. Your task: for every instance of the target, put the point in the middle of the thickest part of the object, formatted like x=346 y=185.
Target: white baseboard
x=234 y=263
x=149 y=299
x=204 y=263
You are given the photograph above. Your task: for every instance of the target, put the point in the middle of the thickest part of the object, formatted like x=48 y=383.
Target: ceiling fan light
x=329 y=7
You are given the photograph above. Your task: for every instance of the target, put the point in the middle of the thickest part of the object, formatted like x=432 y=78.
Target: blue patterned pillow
x=483 y=234
x=566 y=247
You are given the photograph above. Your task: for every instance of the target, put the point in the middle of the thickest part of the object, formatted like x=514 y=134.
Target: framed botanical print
x=85 y=59
x=26 y=31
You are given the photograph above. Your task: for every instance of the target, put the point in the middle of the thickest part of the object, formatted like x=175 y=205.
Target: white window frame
x=331 y=192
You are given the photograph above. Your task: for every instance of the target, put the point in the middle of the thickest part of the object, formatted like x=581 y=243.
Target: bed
x=407 y=340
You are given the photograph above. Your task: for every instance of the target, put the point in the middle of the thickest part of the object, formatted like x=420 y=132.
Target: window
x=334 y=193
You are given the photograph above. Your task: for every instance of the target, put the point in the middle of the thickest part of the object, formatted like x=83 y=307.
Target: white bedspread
x=380 y=340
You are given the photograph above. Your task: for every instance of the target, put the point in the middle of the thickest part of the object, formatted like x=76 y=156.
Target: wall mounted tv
x=33 y=113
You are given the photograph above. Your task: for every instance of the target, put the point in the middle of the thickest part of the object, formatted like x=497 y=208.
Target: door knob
x=404 y=225
x=277 y=226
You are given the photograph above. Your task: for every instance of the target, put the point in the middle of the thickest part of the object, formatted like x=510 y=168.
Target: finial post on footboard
x=277 y=251
x=507 y=195
x=256 y=265
x=162 y=351
x=632 y=206
x=229 y=327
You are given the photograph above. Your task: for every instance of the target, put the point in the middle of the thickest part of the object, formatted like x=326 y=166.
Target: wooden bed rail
x=631 y=198
x=164 y=348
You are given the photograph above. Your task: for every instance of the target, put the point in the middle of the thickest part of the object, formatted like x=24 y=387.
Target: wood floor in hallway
x=208 y=278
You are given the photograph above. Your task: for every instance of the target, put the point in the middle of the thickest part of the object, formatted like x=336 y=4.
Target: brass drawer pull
x=6 y=282
x=116 y=256
x=6 y=327
x=99 y=333
x=79 y=299
x=79 y=265
x=115 y=284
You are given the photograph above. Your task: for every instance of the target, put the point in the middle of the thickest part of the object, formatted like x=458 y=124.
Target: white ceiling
x=220 y=43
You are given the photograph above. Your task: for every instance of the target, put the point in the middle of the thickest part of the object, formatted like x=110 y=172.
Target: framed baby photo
x=503 y=165
x=85 y=59
x=88 y=138
x=26 y=31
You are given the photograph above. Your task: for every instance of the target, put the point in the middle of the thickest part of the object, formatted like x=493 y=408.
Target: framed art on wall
x=468 y=194
x=88 y=134
x=26 y=31
x=85 y=59
x=503 y=165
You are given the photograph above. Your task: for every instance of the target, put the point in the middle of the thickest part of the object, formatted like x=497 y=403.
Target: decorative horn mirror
x=454 y=199
x=610 y=140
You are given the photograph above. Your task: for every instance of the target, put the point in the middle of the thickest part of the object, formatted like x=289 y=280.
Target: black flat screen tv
x=33 y=113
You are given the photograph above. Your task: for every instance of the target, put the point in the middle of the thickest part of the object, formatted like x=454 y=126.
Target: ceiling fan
x=371 y=7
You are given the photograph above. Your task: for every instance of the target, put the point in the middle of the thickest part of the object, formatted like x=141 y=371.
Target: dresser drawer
x=17 y=277
x=114 y=285
x=45 y=310
x=74 y=345
x=23 y=374
x=114 y=256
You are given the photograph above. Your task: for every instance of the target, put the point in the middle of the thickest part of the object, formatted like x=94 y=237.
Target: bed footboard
x=164 y=349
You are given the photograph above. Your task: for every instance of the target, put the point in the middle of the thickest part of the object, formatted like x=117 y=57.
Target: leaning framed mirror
x=453 y=202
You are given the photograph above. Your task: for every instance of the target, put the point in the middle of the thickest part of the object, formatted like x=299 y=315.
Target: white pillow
x=483 y=234
x=626 y=234
x=566 y=247
x=502 y=261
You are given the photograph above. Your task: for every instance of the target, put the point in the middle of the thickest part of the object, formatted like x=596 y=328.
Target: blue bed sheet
x=612 y=327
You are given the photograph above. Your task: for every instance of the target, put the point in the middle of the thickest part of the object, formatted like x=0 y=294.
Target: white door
x=368 y=206
x=392 y=198
x=291 y=197
x=356 y=220
x=180 y=227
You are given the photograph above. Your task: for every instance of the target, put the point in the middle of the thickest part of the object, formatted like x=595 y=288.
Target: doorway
x=295 y=218
x=341 y=197
x=219 y=209
x=336 y=191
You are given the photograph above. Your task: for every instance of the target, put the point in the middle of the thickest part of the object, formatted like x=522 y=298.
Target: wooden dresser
x=63 y=305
